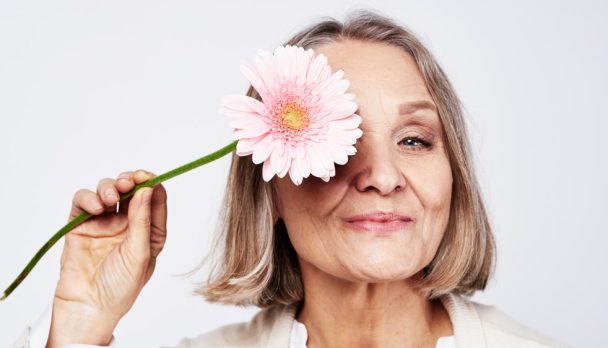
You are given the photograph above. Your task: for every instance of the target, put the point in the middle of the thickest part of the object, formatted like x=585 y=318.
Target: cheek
x=307 y=213
x=431 y=181
x=313 y=239
x=438 y=191
x=314 y=196
x=434 y=191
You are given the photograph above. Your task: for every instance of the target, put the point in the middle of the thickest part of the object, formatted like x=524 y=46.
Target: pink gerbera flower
x=304 y=124
x=306 y=121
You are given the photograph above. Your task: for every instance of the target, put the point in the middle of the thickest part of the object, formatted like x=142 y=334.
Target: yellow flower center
x=293 y=116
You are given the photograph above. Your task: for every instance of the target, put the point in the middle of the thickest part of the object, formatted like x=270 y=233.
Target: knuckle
x=125 y=175
x=104 y=182
x=143 y=219
x=145 y=172
x=78 y=195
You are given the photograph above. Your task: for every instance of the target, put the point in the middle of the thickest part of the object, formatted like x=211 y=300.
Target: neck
x=339 y=313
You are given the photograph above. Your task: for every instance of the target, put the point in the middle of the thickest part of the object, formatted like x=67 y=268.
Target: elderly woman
x=382 y=255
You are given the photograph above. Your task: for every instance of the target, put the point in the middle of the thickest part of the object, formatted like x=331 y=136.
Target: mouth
x=380 y=222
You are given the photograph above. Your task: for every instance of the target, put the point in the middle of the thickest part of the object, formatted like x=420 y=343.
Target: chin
x=375 y=272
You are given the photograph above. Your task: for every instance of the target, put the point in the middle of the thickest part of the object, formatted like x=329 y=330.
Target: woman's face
x=400 y=166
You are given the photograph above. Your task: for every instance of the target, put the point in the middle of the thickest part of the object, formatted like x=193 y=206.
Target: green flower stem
x=84 y=216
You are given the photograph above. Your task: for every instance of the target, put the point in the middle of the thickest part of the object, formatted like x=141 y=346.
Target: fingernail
x=110 y=194
x=97 y=206
x=123 y=176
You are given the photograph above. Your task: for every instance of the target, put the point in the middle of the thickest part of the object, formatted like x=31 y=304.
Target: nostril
x=384 y=182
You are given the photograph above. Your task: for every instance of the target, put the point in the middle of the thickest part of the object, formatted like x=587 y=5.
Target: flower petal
x=337 y=152
x=295 y=175
x=318 y=71
x=301 y=167
x=278 y=158
x=303 y=60
x=243 y=103
x=344 y=137
x=316 y=162
x=255 y=130
x=244 y=147
x=252 y=74
x=351 y=122
x=338 y=111
x=262 y=149
x=286 y=167
x=333 y=85
x=323 y=155
x=350 y=150
x=267 y=172
x=245 y=122
x=264 y=64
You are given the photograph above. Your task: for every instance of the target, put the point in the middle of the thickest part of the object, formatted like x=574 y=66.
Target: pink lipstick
x=379 y=222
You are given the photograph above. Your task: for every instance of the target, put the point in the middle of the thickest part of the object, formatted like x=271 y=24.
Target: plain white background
x=91 y=88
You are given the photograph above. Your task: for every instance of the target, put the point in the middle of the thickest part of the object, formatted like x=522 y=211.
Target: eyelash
x=425 y=144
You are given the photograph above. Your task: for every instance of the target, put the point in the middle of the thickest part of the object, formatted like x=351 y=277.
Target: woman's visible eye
x=415 y=143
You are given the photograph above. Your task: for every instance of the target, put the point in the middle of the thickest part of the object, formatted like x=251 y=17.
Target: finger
x=85 y=200
x=142 y=175
x=126 y=181
x=137 y=241
x=108 y=193
x=158 y=232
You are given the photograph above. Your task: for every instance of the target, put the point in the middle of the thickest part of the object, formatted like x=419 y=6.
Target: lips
x=379 y=222
x=380 y=216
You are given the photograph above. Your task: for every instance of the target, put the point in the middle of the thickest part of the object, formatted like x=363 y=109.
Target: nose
x=377 y=168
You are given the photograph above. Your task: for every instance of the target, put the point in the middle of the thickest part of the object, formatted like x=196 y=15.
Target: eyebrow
x=413 y=106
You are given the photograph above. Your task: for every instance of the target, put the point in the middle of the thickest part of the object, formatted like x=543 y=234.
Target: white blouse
x=476 y=325
x=299 y=337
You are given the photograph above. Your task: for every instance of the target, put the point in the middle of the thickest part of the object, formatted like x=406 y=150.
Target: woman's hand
x=107 y=259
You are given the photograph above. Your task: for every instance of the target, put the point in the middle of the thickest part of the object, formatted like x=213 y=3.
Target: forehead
x=384 y=78
x=375 y=65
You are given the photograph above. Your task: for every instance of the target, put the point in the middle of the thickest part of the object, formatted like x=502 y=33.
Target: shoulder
x=266 y=327
x=502 y=330
x=499 y=327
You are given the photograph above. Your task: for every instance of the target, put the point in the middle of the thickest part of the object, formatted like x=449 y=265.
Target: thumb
x=138 y=233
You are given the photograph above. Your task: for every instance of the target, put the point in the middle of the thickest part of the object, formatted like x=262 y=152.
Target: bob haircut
x=257 y=264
